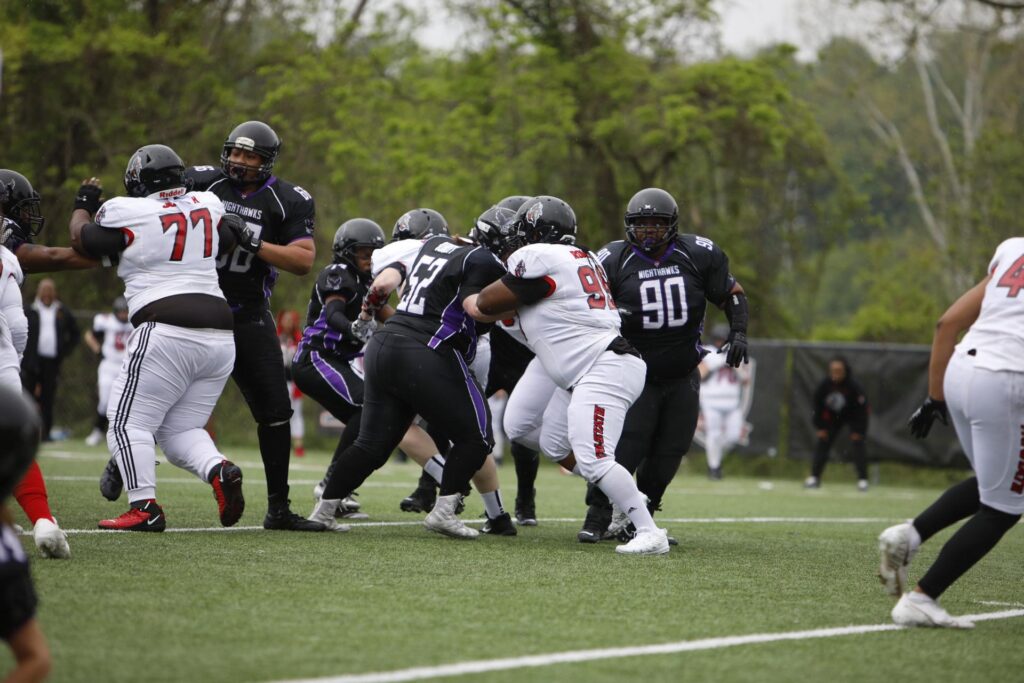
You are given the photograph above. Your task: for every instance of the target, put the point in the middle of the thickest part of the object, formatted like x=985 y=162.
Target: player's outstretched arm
x=35 y=258
x=296 y=258
x=495 y=302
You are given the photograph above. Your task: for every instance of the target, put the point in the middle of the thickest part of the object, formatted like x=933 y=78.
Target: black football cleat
x=594 y=525
x=111 y=483
x=526 y=511
x=420 y=500
x=499 y=526
x=281 y=518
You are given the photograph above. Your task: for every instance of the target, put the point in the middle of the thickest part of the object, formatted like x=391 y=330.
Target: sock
x=527 y=463
x=960 y=501
x=620 y=488
x=276 y=451
x=492 y=504
x=970 y=543
x=434 y=469
x=31 y=495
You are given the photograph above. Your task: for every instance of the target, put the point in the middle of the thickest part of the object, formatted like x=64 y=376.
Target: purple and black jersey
x=345 y=281
x=278 y=212
x=662 y=303
x=442 y=276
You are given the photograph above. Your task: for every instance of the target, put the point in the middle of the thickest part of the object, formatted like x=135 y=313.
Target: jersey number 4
x=182 y=225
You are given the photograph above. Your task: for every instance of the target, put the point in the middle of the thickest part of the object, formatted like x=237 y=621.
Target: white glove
x=363 y=329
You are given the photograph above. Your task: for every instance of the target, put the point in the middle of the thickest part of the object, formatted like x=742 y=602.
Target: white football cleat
x=349 y=508
x=94 y=438
x=647 y=542
x=324 y=513
x=443 y=520
x=917 y=609
x=862 y=485
x=318 y=491
x=51 y=539
x=896 y=551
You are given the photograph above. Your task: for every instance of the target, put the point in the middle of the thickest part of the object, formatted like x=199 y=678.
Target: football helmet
x=546 y=219
x=19 y=438
x=252 y=136
x=652 y=219
x=355 y=233
x=120 y=304
x=417 y=224
x=154 y=168
x=512 y=202
x=495 y=230
x=21 y=204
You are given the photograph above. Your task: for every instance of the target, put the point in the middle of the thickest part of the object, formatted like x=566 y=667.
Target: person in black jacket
x=838 y=401
x=52 y=335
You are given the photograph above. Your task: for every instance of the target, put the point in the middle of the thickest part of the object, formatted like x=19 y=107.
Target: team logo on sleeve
x=534 y=213
x=520 y=269
x=100 y=215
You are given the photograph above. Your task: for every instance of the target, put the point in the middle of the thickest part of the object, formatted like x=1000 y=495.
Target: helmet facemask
x=650 y=233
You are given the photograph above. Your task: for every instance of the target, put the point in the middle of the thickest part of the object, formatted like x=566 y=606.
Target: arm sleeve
x=529 y=290
x=334 y=313
x=98 y=241
x=300 y=218
x=482 y=268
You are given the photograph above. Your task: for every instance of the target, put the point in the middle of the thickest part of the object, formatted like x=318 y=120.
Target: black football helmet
x=21 y=204
x=546 y=219
x=495 y=229
x=512 y=202
x=652 y=219
x=417 y=224
x=252 y=136
x=19 y=438
x=154 y=168
x=355 y=233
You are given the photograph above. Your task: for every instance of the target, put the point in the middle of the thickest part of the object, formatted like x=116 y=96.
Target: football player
x=418 y=364
x=979 y=384
x=662 y=281
x=181 y=352
x=721 y=403
x=839 y=401
x=19 y=438
x=276 y=234
x=561 y=295
x=107 y=338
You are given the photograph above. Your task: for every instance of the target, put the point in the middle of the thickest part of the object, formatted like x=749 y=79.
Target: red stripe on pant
x=31 y=495
x=599 y=431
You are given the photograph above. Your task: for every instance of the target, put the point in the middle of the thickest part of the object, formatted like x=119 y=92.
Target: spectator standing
x=53 y=334
x=289 y=332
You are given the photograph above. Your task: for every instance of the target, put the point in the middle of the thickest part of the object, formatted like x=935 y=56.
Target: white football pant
x=723 y=428
x=169 y=383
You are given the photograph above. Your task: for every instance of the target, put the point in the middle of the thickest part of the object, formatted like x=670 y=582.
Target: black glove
x=921 y=421
x=736 y=349
x=88 y=198
x=244 y=235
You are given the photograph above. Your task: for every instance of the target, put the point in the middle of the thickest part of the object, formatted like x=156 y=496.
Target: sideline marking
x=419 y=522
x=571 y=656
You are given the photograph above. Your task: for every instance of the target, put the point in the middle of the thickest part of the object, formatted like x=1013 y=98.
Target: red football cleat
x=144 y=515
x=226 y=480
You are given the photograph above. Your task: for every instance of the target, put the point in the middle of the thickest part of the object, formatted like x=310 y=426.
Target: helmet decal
x=245 y=143
x=534 y=213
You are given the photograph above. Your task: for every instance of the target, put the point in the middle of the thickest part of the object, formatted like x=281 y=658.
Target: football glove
x=735 y=349
x=374 y=301
x=921 y=421
x=244 y=235
x=363 y=329
x=88 y=198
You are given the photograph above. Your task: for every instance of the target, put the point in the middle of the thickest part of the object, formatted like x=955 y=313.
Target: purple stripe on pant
x=331 y=376
x=479 y=403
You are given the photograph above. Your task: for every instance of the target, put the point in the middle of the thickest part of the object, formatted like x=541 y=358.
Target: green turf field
x=755 y=557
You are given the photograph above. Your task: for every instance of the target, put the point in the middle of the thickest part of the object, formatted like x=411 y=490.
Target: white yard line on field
x=572 y=656
x=249 y=482
x=576 y=520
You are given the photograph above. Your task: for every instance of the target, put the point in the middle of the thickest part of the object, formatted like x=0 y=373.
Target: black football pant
x=656 y=435
x=405 y=378
x=259 y=374
x=331 y=382
x=857 y=448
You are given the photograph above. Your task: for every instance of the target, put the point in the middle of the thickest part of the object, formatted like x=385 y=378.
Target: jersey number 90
x=663 y=303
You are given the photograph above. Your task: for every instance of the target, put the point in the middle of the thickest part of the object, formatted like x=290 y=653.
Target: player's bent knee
x=594 y=469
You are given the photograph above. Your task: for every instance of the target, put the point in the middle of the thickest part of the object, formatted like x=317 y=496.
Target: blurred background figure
x=107 y=339
x=52 y=335
x=497 y=402
x=839 y=401
x=723 y=397
x=289 y=331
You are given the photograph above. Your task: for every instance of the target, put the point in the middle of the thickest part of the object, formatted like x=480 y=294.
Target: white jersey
x=998 y=333
x=723 y=385
x=576 y=321
x=115 y=336
x=171 y=244
x=514 y=329
x=403 y=252
x=13 y=324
